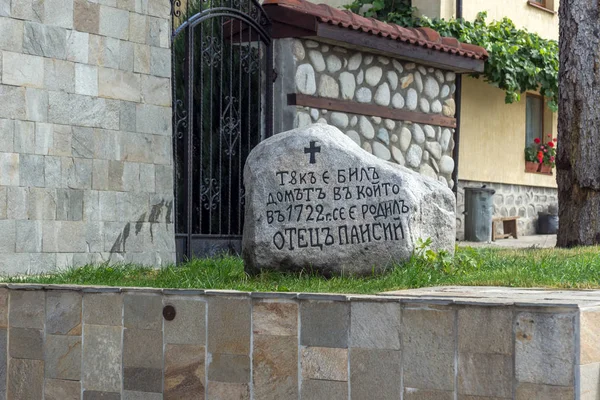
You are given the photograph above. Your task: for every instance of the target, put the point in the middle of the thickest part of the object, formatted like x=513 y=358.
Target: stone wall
x=510 y=201
x=329 y=71
x=85 y=133
x=70 y=343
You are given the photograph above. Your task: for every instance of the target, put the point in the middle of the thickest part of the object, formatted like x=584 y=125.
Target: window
x=545 y=5
x=534 y=126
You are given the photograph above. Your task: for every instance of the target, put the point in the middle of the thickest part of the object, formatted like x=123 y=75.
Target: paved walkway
x=536 y=241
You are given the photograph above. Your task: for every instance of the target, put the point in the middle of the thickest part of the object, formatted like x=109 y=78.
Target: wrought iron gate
x=222 y=107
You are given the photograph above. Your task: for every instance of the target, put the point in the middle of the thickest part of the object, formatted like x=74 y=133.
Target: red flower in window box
x=537 y=140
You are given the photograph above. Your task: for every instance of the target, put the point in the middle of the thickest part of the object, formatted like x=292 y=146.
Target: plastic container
x=479 y=209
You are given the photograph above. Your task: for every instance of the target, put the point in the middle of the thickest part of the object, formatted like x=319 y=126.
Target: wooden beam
x=297 y=99
x=395 y=48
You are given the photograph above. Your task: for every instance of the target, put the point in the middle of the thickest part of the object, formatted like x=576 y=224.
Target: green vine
x=518 y=60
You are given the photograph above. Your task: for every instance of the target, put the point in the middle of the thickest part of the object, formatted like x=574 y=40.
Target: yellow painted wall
x=492 y=137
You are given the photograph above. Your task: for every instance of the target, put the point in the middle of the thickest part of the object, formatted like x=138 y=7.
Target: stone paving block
x=102 y=355
x=375 y=325
x=228 y=391
x=545 y=348
x=229 y=368
x=590 y=381
x=485 y=374
x=31 y=170
x=428 y=348
x=229 y=325
x=95 y=395
x=130 y=395
x=25 y=379
x=184 y=372
x=59 y=75
x=529 y=391
x=45 y=40
x=86 y=16
x=28 y=236
x=9 y=237
x=27 y=309
x=589 y=327
x=275 y=367
x=485 y=330
x=143 y=311
x=275 y=318
x=63 y=357
x=330 y=390
x=63 y=313
x=78 y=46
x=37 y=105
x=22 y=70
x=56 y=389
x=423 y=394
x=324 y=363
x=374 y=374
x=189 y=325
x=11 y=34
x=142 y=360
x=324 y=324
x=114 y=22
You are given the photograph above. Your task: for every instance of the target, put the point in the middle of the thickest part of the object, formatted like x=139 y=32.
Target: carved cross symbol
x=312 y=150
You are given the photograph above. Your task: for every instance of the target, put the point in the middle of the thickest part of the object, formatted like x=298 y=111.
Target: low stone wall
x=89 y=343
x=335 y=72
x=509 y=201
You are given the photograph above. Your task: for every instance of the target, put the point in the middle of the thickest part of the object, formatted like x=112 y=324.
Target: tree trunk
x=578 y=158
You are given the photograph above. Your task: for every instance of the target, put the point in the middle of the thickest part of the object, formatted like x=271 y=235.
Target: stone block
x=3 y=205
x=589 y=381
x=41 y=205
x=25 y=379
x=375 y=325
x=56 y=389
x=28 y=236
x=157 y=32
x=428 y=348
x=7 y=134
x=24 y=137
x=189 y=325
x=58 y=13
x=485 y=375
x=374 y=374
x=162 y=150
x=59 y=75
x=100 y=175
x=45 y=40
x=156 y=90
x=86 y=16
x=16 y=202
x=95 y=395
x=9 y=236
x=11 y=34
x=78 y=45
x=37 y=104
x=42 y=263
x=26 y=343
x=110 y=52
x=159 y=8
x=184 y=372
x=76 y=173
x=324 y=363
x=153 y=119
x=128 y=5
x=275 y=367
x=143 y=311
x=324 y=324
x=141 y=58
x=82 y=110
x=59 y=108
x=27 y=309
x=3 y=361
x=82 y=142
x=131 y=177
x=62 y=137
x=164 y=178
x=275 y=318
x=63 y=357
x=117 y=84
x=142 y=360
x=5 y=8
x=131 y=395
x=137 y=27
x=43 y=140
x=229 y=368
x=545 y=348
x=107 y=207
x=330 y=390
x=22 y=70
x=160 y=61
x=86 y=79
x=69 y=205
x=423 y=394
x=12 y=102
x=147 y=178
x=126 y=56
x=52 y=172
x=529 y=391
x=228 y=391
x=114 y=22
x=31 y=170
x=107 y=144
x=103 y=308
x=589 y=323
x=128 y=111
x=63 y=313
x=229 y=325
x=102 y=353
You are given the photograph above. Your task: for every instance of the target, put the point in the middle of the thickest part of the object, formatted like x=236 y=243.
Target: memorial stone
x=316 y=200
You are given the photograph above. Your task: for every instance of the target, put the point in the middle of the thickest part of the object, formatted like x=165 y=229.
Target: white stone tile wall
x=335 y=72
x=85 y=133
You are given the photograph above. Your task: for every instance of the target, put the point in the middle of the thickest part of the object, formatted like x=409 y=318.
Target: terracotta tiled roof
x=424 y=37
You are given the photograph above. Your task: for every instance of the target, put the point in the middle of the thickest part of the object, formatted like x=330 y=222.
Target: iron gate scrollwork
x=222 y=108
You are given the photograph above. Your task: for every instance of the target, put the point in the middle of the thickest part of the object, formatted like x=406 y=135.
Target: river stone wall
x=335 y=72
x=85 y=133
x=509 y=201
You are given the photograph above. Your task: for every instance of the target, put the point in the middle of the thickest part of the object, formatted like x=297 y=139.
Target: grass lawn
x=574 y=268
